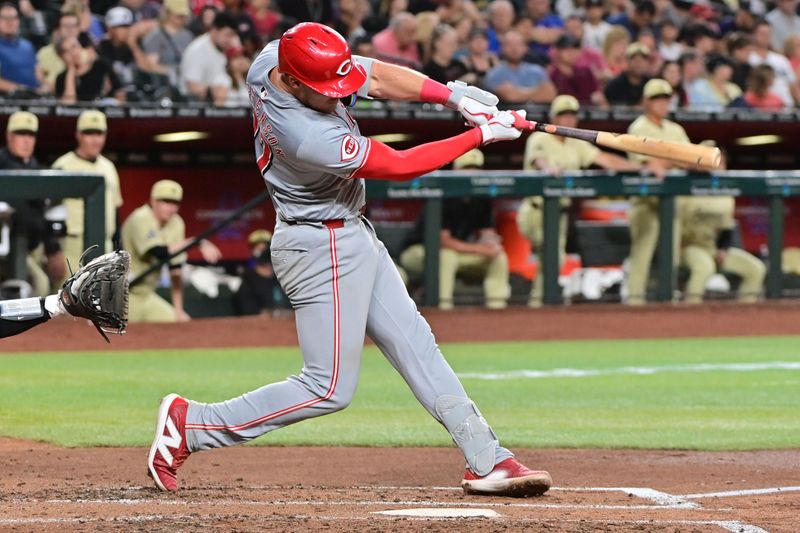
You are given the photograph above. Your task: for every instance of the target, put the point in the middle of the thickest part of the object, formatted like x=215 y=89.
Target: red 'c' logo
x=345 y=68
x=350 y=148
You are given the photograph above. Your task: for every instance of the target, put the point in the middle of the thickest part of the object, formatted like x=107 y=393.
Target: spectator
x=198 y=7
x=540 y=26
x=784 y=22
x=671 y=73
x=648 y=39
x=151 y=233
x=90 y=24
x=614 y=48
x=43 y=248
x=245 y=27
x=363 y=47
x=114 y=47
x=515 y=81
x=398 y=43
x=641 y=18
x=47 y=60
x=785 y=84
x=314 y=11
x=716 y=91
x=501 y=20
x=441 y=66
x=238 y=65
x=260 y=291
x=265 y=19
x=203 y=65
x=204 y=21
x=452 y=12
x=589 y=57
x=383 y=12
x=791 y=49
x=626 y=88
x=595 y=29
x=91 y=131
x=744 y=20
x=692 y=70
x=351 y=15
x=469 y=244
x=568 y=78
x=701 y=39
x=759 y=93
x=33 y=25
x=478 y=59
x=669 y=47
x=17 y=55
x=87 y=77
x=164 y=47
x=739 y=48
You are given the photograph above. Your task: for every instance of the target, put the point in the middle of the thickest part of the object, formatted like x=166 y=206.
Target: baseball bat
x=693 y=154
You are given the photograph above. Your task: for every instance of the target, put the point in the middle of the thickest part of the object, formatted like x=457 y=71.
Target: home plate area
x=389 y=508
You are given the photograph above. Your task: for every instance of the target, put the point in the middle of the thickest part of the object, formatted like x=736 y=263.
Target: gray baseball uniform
x=340 y=281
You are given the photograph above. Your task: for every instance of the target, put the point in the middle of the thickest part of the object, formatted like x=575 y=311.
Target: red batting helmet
x=319 y=57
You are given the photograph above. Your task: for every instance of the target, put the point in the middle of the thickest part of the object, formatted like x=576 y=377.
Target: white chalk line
x=745 y=492
x=630 y=370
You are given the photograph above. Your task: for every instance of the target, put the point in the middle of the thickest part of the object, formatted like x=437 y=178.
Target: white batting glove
x=501 y=127
x=475 y=105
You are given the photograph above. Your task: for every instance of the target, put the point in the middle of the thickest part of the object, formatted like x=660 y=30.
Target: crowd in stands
x=715 y=53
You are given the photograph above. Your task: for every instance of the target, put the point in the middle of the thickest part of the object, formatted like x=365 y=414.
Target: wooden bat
x=693 y=154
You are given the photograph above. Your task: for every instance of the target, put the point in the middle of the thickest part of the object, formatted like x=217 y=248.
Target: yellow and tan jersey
x=667 y=131
x=703 y=218
x=47 y=59
x=141 y=233
x=71 y=161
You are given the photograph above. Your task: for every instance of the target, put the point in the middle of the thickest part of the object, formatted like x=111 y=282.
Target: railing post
x=666 y=272
x=432 y=242
x=775 y=247
x=550 y=261
x=94 y=222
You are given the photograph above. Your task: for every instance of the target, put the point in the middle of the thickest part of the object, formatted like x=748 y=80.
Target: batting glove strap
x=501 y=128
x=475 y=105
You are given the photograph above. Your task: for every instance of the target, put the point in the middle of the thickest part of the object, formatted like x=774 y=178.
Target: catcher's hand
x=475 y=105
x=99 y=291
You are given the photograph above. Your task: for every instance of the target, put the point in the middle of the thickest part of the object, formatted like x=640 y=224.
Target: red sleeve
x=385 y=163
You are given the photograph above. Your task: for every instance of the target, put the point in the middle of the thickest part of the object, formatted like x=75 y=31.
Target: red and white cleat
x=168 y=451
x=509 y=478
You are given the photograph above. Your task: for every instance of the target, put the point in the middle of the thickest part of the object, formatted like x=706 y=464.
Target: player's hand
x=490 y=249
x=475 y=105
x=210 y=252
x=182 y=315
x=501 y=127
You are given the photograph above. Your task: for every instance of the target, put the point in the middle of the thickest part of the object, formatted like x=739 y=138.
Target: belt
x=333 y=223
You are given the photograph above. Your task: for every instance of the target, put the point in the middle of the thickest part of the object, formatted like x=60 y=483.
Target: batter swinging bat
x=692 y=154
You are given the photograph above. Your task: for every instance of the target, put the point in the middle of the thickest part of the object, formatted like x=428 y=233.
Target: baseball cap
x=167 y=190
x=92 y=120
x=119 y=16
x=22 y=121
x=178 y=7
x=567 y=41
x=564 y=103
x=637 y=48
x=656 y=88
x=472 y=159
x=259 y=235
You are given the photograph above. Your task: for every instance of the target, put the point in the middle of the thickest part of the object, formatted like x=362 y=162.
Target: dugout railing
x=434 y=187
x=18 y=185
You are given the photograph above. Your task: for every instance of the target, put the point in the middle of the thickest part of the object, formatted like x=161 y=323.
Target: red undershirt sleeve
x=385 y=163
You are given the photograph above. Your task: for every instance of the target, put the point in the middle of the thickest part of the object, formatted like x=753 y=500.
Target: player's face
x=658 y=107
x=21 y=144
x=91 y=143
x=164 y=210
x=568 y=120
x=316 y=101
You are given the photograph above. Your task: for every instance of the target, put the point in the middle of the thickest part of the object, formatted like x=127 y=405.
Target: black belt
x=332 y=223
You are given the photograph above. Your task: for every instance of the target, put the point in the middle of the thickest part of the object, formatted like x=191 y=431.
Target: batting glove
x=502 y=127
x=475 y=105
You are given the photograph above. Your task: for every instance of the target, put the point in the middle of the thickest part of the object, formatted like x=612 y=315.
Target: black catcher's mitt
x=99 y=291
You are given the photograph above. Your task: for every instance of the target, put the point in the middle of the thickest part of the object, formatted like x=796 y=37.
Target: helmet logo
x=345 y=68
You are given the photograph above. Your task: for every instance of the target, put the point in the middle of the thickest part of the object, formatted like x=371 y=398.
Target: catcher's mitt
x=99 y=291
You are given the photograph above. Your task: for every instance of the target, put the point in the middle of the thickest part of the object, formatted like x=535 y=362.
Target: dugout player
x=469 y=245
x=643 y=214
x=151 y=233
x=90 y=134
x=43 y=245
x=338 y=276
x=556 y=154
x=707 y=224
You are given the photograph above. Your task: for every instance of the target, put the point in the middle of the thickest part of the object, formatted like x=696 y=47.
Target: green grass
x=78 y=399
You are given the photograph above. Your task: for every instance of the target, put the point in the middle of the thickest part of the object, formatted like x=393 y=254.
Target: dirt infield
x=46 y=488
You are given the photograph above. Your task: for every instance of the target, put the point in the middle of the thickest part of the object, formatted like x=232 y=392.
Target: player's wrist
x=433 y=92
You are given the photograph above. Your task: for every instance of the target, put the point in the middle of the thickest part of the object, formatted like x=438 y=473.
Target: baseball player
x=643 y=214
x=151 y=233
x=556 y=154
x=338 y=276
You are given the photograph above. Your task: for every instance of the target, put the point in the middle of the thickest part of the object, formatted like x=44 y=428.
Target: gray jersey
x=307 y=158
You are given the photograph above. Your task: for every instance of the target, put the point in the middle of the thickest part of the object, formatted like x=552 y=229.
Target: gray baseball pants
x=342 y=284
